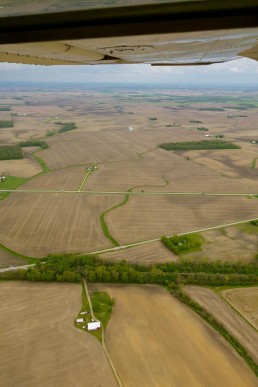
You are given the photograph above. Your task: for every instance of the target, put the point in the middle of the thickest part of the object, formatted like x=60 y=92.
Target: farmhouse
x=92 y=326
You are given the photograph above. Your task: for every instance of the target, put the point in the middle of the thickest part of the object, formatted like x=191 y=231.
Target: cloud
x=237 y=70
x=10 y=66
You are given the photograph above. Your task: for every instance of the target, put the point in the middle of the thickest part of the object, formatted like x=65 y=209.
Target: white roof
x=79 y=320
x=93 y=325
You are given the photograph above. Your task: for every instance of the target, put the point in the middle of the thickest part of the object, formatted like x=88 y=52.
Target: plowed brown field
x=148 y=253
x=227 y=244
x=146 y=217
x=154 y=340
x=236 y=325
x=7 y=259
x=40 y=345
x=233 y=163
x=156 y=169
x=67 y=179
x=21 y=168
x=38 y=224
x=111 y=145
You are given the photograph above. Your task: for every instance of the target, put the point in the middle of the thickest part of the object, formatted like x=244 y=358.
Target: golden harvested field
x=235 y=324
x=40 y=345
x=154 y=340
x=39 y=224
x=245 y=301
x=68 y=179
x=227 y=244
x=21 y=168
x=150 y=216
x=233 y=163
x=148 y=253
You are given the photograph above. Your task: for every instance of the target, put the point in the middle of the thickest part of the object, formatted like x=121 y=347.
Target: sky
x=240 y=71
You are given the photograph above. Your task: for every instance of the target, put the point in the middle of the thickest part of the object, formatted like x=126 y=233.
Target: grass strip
x=102 y=306
x=41 y=162
x=180 y=295
x=104 y=224
x=10 y=182
x=253 y=166
x=19 y=255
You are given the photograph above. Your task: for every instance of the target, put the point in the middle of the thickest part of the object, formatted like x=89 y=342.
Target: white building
x=92 y=326
x=79 y=320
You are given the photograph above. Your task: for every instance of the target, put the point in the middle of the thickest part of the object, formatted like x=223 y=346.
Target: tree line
x=72 y=268
x=10 y=152
x=199 y=145
x=40 y=143
x=66 y=126
x=178 y=292
x=6 y=124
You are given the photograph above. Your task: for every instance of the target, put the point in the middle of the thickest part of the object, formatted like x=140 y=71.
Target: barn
x=92 y=326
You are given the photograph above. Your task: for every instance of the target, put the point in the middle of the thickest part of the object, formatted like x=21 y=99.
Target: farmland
x=228 y=244
x=99 y=181
x=39 y=341
x=244 y=300
x=236 y=325
x=147 y=254
x=166 y=343
x=37 y=223
x=143 y=217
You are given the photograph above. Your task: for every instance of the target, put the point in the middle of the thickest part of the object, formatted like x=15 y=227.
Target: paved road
x=127 y=192
x=158 y=239
x=117 y=248
x=13 y=268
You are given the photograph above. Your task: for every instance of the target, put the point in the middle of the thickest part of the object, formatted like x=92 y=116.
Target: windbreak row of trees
x=40 y=143
x=66 y=126
x=199 y=145
x=70 y=268
x=10 y=152
x=6 y=124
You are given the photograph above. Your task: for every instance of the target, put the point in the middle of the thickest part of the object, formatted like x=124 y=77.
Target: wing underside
x=127 y=31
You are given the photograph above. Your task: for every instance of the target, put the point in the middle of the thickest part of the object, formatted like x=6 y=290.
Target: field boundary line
x=237 y=311
x=103 y=336
x=253 y=164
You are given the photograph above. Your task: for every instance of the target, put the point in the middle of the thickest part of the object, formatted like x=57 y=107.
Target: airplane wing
x=157 y=32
